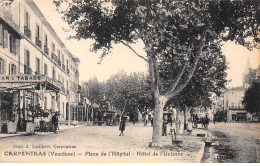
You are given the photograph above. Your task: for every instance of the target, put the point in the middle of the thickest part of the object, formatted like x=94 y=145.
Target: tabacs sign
x=21 y=78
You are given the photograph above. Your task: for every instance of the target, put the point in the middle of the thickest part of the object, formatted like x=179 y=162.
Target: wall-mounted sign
x=21 y=78
x=28 y=79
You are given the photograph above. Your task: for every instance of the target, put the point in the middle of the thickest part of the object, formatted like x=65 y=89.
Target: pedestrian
x=164 y=129
x=122 y=127
x=170 y=120
x=134 y=121
x=55 y=122
x=151 y=121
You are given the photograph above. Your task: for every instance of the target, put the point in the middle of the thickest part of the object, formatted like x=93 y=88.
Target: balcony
x=27 y=32
x=38 y=42
x=27 y=70
x=63 y=67
x=46 y=50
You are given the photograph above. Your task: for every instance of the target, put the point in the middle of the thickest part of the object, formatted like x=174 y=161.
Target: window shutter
x=17 y=46
x=1 y=34
x=5 y=38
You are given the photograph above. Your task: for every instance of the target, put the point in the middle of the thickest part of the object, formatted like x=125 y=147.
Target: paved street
x=88 y=142
x=238 y=142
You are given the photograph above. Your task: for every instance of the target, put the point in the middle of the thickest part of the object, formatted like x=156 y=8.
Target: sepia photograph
x=129 y=81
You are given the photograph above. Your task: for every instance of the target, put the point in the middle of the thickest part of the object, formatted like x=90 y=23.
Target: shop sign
x=21 y=78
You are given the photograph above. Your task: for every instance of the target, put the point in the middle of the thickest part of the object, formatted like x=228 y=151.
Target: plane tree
x=183 y=30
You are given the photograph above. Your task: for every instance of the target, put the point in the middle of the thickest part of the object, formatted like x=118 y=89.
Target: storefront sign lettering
x=21 y=78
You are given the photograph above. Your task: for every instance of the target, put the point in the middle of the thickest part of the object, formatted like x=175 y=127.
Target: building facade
x=36 y=68
x=229 y=103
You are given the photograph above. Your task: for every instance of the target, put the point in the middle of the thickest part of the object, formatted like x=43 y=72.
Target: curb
x=199 y=157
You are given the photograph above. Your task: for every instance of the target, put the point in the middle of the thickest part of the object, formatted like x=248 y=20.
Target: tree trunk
x=158 y=120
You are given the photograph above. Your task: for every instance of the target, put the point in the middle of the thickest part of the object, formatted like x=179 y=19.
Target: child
x=122 y=127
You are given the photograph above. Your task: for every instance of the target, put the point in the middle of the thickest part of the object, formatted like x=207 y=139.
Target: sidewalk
x=61 y=127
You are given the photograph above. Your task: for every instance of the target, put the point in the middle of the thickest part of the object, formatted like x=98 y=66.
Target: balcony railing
x=46 y=50
x=27 y=70
x=38 y=42
x=27 y=32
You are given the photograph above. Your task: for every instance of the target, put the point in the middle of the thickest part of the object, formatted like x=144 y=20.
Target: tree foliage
x=179 y=34
x=252 y=98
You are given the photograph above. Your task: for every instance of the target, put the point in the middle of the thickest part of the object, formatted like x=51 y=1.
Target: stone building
x=36 y=68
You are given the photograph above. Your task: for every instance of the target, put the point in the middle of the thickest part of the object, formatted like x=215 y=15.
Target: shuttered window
x=5 y=38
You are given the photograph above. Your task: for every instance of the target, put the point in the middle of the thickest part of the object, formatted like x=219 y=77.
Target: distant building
x=230 y=102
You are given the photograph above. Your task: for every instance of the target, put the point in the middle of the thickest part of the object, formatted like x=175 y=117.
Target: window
x=12 y=44
x=53 y=73
x=53 y=47
x=27 y=69
x=2 y=66
x=62 y=59
x=5 y=41
x=38 y=66
x=46 y=41
x=45 y=69
x=58 y=54
x=27 y=58
x=37 y=31
x=27 y=20
x=12 y=69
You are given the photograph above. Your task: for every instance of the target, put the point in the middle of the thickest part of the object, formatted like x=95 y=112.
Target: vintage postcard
x=129 y=81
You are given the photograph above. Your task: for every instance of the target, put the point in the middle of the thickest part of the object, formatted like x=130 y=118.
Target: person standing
x=55 y=122
x=164 y=132
x=122 y=127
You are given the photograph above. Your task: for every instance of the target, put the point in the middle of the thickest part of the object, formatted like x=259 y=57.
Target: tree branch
x=134 y=51
x=191 y=72
x=178 y=78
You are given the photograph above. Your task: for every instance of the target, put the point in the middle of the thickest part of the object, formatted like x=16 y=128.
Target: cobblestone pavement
x=87 y=143
x=235 y=142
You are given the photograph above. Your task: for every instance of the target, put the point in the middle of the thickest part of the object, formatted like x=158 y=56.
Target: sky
x=122 y=58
